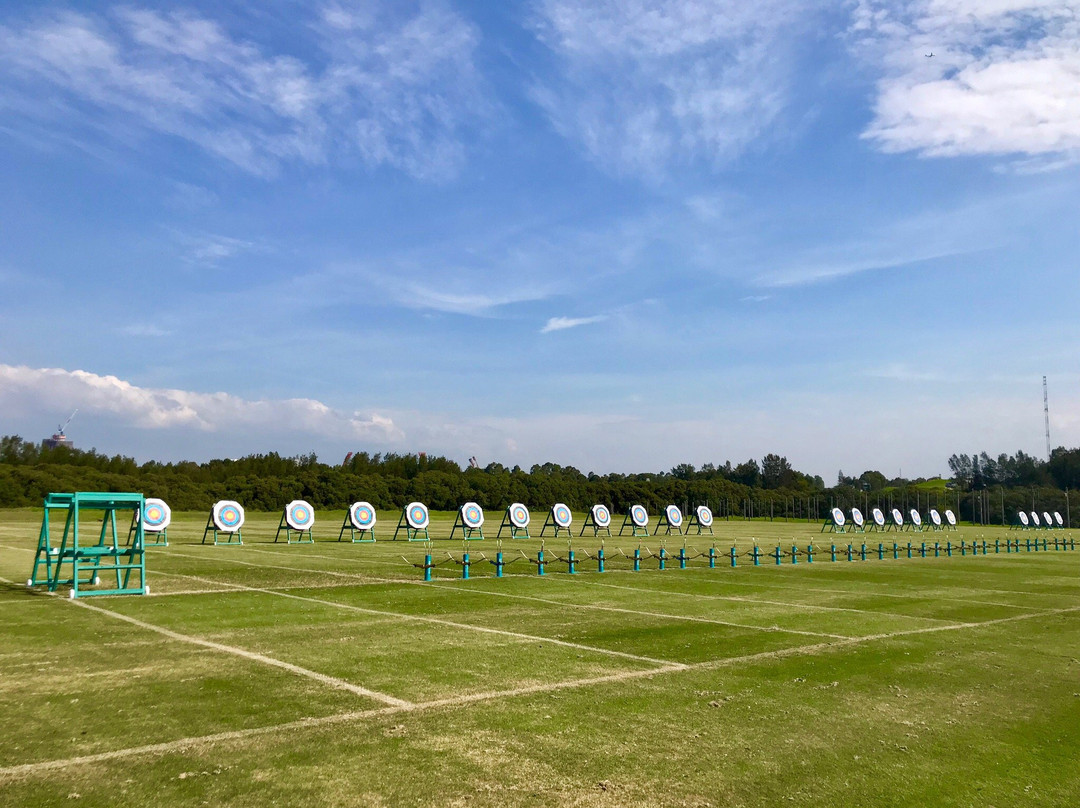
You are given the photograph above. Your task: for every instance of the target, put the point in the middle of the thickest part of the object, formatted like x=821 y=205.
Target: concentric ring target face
x=601 y=515
x=362 y=515
x=1058 y=519
x=639 y=516
x=916 y=518
x=228 y=516
x=674 y=515
x=417 y=516
x=897 y=517
x=1035 y=519
x=156 y=515
x=704 y=516
x=472 y=515
x=878 y=516
x=561 y=515
x=935 y=517
x=857 y=517
x=519 y=515
x=1048 y=520
x=1023 y=518
x=299 y=515
x=838 y=516
x=950 y=517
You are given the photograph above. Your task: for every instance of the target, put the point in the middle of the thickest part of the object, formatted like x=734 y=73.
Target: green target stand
x=836 y=523
x=637 y=519
x=599 y=519
x=701 y=518
x=415 y=521
x=516 y=519
x=559 y=518
x=156 y=518
x=226 y=519
x=359 y=519
x=671 y=520
x=297 y=519
x=82 y=560
x=1022 y=522
x=470 y=520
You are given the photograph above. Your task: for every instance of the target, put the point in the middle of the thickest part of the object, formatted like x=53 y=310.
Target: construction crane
x=60 y=430
x=59 y=438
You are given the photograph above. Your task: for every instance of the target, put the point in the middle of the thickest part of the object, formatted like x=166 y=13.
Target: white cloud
x=395 y=92
x=562 y=323
x=1004 y=78
x=643 y=84
x=23 y=388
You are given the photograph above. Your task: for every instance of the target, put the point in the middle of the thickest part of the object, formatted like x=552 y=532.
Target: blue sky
x=617 y=235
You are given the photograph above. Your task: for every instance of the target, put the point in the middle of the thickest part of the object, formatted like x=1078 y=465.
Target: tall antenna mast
x=1046 y=416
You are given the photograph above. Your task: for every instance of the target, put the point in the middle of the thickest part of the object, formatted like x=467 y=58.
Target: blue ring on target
x=601 y=515
x=674 y=515
x=362 y=515
x=561 y=514
x=472 y=515
x=639 y=516
x=704 y=515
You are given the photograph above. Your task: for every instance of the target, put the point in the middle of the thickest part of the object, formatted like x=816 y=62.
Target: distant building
x=57 y=440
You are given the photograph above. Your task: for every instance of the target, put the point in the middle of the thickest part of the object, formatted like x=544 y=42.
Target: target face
x=704 y=516
x=838 y=517
x=156 y=515
x=416 y=515
x=519 y=515
x=674 y=515
x=857 y=517
x=362 y=515
x=916 y=519
x=601 y=515
x=560 y=514
x=472 y=515
x=1058 y=519
x=1024 y=518
x=228 y=516
x=935 y=517
x=897 y=517
x=878 y=516
x=299 y=515
x=950 y=517
x=639 y=516
x=1035 y=519
x=1048 y=520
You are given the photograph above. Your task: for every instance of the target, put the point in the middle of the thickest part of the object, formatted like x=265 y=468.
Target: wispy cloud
x=210 y=250
x=563 y=323
x=389 y=89
x=144 y=330
x=643 y=85
x=1004 y=78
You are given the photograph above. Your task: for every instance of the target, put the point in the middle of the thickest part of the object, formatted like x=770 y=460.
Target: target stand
x=877 y=521
x=950 y=520
x=915 y=524
x=897 y=521
x=637 y=519
x=836 y=523
x=297 y=519
x=85 y=561
x=935 y=520
x=559 y=518
x=415 y=521
x=702 y=518
x=226 y=518
x=360 y=518
x=516 y=519
x=858 y=522
x=599 y=519
x=155 y=517
x=470 y=520
x=671 y=520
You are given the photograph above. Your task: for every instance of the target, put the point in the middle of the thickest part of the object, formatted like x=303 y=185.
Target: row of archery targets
x=225 y=522
x=838 y=522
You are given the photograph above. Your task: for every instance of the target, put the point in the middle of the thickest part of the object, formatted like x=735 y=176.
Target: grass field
x=331 y=674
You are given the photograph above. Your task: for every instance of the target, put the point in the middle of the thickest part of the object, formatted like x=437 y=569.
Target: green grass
x=330 y=674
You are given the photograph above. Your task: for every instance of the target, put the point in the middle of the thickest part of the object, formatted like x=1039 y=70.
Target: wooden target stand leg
x=694 y=521
x=635 y=530
x=467 y=533
x=515 y=532
x=290 y=532
x=550 y=522
x=348 y=525
x=411 y=533
x=234 y=537
x=590 y=521
x=666 y=523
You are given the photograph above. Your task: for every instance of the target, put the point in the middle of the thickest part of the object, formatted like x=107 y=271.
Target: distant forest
x=982 y=488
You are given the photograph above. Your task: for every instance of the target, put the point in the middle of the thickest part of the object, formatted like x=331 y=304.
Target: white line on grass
x=28 y=769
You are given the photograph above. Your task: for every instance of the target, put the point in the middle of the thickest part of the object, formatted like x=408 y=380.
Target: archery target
x=950 y=517
x=601 y=515
x=362 y=515
x=1058 y=519
x=878 y=517
x=916 y=518
x=639 y=516
x=935 y=517
x=1023 y=518
x=417 y=516
x=156 y=515
x=228 y=516
x=704 y=516
x=674 y=515
x=1035 y=519
x=838 y=517
x=472 y=515
x=857 y=517
x=519 y=515
x=1048 y=520
x=299 y=515
x=561 y=515
x=897 y=517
